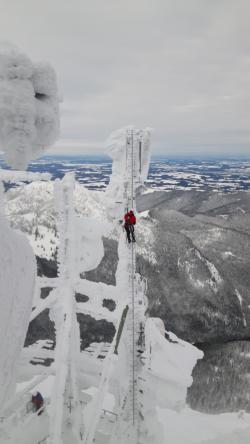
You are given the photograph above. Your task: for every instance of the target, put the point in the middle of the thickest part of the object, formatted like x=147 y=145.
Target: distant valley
x=226 y=175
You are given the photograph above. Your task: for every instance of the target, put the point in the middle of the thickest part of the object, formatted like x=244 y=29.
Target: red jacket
x=127 y=218
x=130 y=219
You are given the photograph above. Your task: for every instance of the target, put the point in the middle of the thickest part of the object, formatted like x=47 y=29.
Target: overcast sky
x=179 y=66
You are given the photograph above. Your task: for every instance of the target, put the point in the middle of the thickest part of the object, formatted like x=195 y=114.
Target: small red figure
x=130 y=221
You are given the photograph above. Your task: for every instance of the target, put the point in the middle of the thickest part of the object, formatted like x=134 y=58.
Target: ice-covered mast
x=152 y=361
x=137 y=153
x=130 y=151
x=67 y=354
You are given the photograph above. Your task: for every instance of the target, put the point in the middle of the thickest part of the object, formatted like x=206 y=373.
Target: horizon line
x=155 y=155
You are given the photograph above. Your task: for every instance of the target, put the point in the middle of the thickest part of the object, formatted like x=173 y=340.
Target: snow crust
x=29 y=111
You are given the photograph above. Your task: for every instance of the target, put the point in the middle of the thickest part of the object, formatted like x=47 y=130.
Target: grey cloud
x=182 y=67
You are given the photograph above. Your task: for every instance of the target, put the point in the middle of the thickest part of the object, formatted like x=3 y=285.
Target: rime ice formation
x=118 y=148
x=171 y=363
x=17 y=282
x=29 y=123
x=29 y=112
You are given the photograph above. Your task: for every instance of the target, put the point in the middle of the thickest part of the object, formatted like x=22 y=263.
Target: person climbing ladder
x=37 y=402
x=129 y=225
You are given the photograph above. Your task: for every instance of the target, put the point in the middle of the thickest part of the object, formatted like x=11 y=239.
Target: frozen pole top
x=29 y=107
x=117 y=149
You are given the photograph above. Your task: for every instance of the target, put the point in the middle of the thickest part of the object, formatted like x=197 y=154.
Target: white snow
x=239 y=296
x=74 y=379
x=191 y=427
x=170 y=366
x=88 y=242
x=31 y=208
x=17 y=284
x=228 y=254
x=168 y=377
x=240 y=299
x=189 y=264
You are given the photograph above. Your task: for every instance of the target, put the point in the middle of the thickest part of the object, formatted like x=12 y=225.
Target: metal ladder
x=133 y=325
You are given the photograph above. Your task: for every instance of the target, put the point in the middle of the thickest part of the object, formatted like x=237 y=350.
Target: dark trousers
x=130 y=230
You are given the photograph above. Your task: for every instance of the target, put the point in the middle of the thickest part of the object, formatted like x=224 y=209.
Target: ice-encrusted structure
x=125 y=158
x=76 y=408
x=29 y=123
x=17 y=283
x=29 y=107
x=171 y=362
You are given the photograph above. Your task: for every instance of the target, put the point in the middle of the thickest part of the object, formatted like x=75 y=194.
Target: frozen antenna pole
x=65 y=391
x=130 y=150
